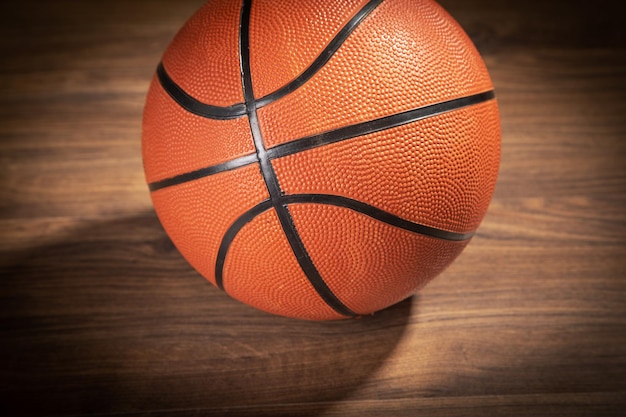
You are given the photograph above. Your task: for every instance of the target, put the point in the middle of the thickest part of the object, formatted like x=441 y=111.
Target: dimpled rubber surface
x=203 y=57
x=405 y=55
x=296 y=33
x=439 y=171
x=175 y=141
x=373 y=265
x=313 y=229
x=196 y=215
x=265 y=273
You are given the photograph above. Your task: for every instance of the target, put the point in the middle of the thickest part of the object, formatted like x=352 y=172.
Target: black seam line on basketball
x=267 y=169
x=195 y=106
x=332 y=200
x=323 y=57
x=230 y=235
x=198 y=108
x=204 y=172
x=271 y=180
x=332 y=136
x=234 y=230
x=377 y=214
x=376 y=125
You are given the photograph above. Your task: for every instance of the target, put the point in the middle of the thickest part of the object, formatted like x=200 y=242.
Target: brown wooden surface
x=99 y=314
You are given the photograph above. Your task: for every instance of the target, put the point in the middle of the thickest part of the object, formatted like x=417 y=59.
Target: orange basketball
x=321 y=159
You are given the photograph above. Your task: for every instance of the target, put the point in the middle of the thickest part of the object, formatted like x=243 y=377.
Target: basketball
x=321 y=159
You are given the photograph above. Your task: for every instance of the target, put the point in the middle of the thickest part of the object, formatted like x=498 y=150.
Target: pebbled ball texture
x=280 y=207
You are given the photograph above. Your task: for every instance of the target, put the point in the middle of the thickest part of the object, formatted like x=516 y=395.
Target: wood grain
x=100 y=315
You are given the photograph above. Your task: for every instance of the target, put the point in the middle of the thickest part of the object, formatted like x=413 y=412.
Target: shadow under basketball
x=109 y=318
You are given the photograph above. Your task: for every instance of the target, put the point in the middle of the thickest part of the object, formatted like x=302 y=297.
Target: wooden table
x=100 y=315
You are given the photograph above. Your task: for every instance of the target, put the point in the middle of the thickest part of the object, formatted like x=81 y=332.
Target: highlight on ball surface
x=325 y=160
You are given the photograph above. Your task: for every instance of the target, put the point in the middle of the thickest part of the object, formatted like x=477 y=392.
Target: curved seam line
x=322 y=58
x=203 y=172
x=377 y=125
x=195 y=106
x=230 y=235
x=332 y=200
x=269 y=175
x=332 y=136
x=377 y=214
